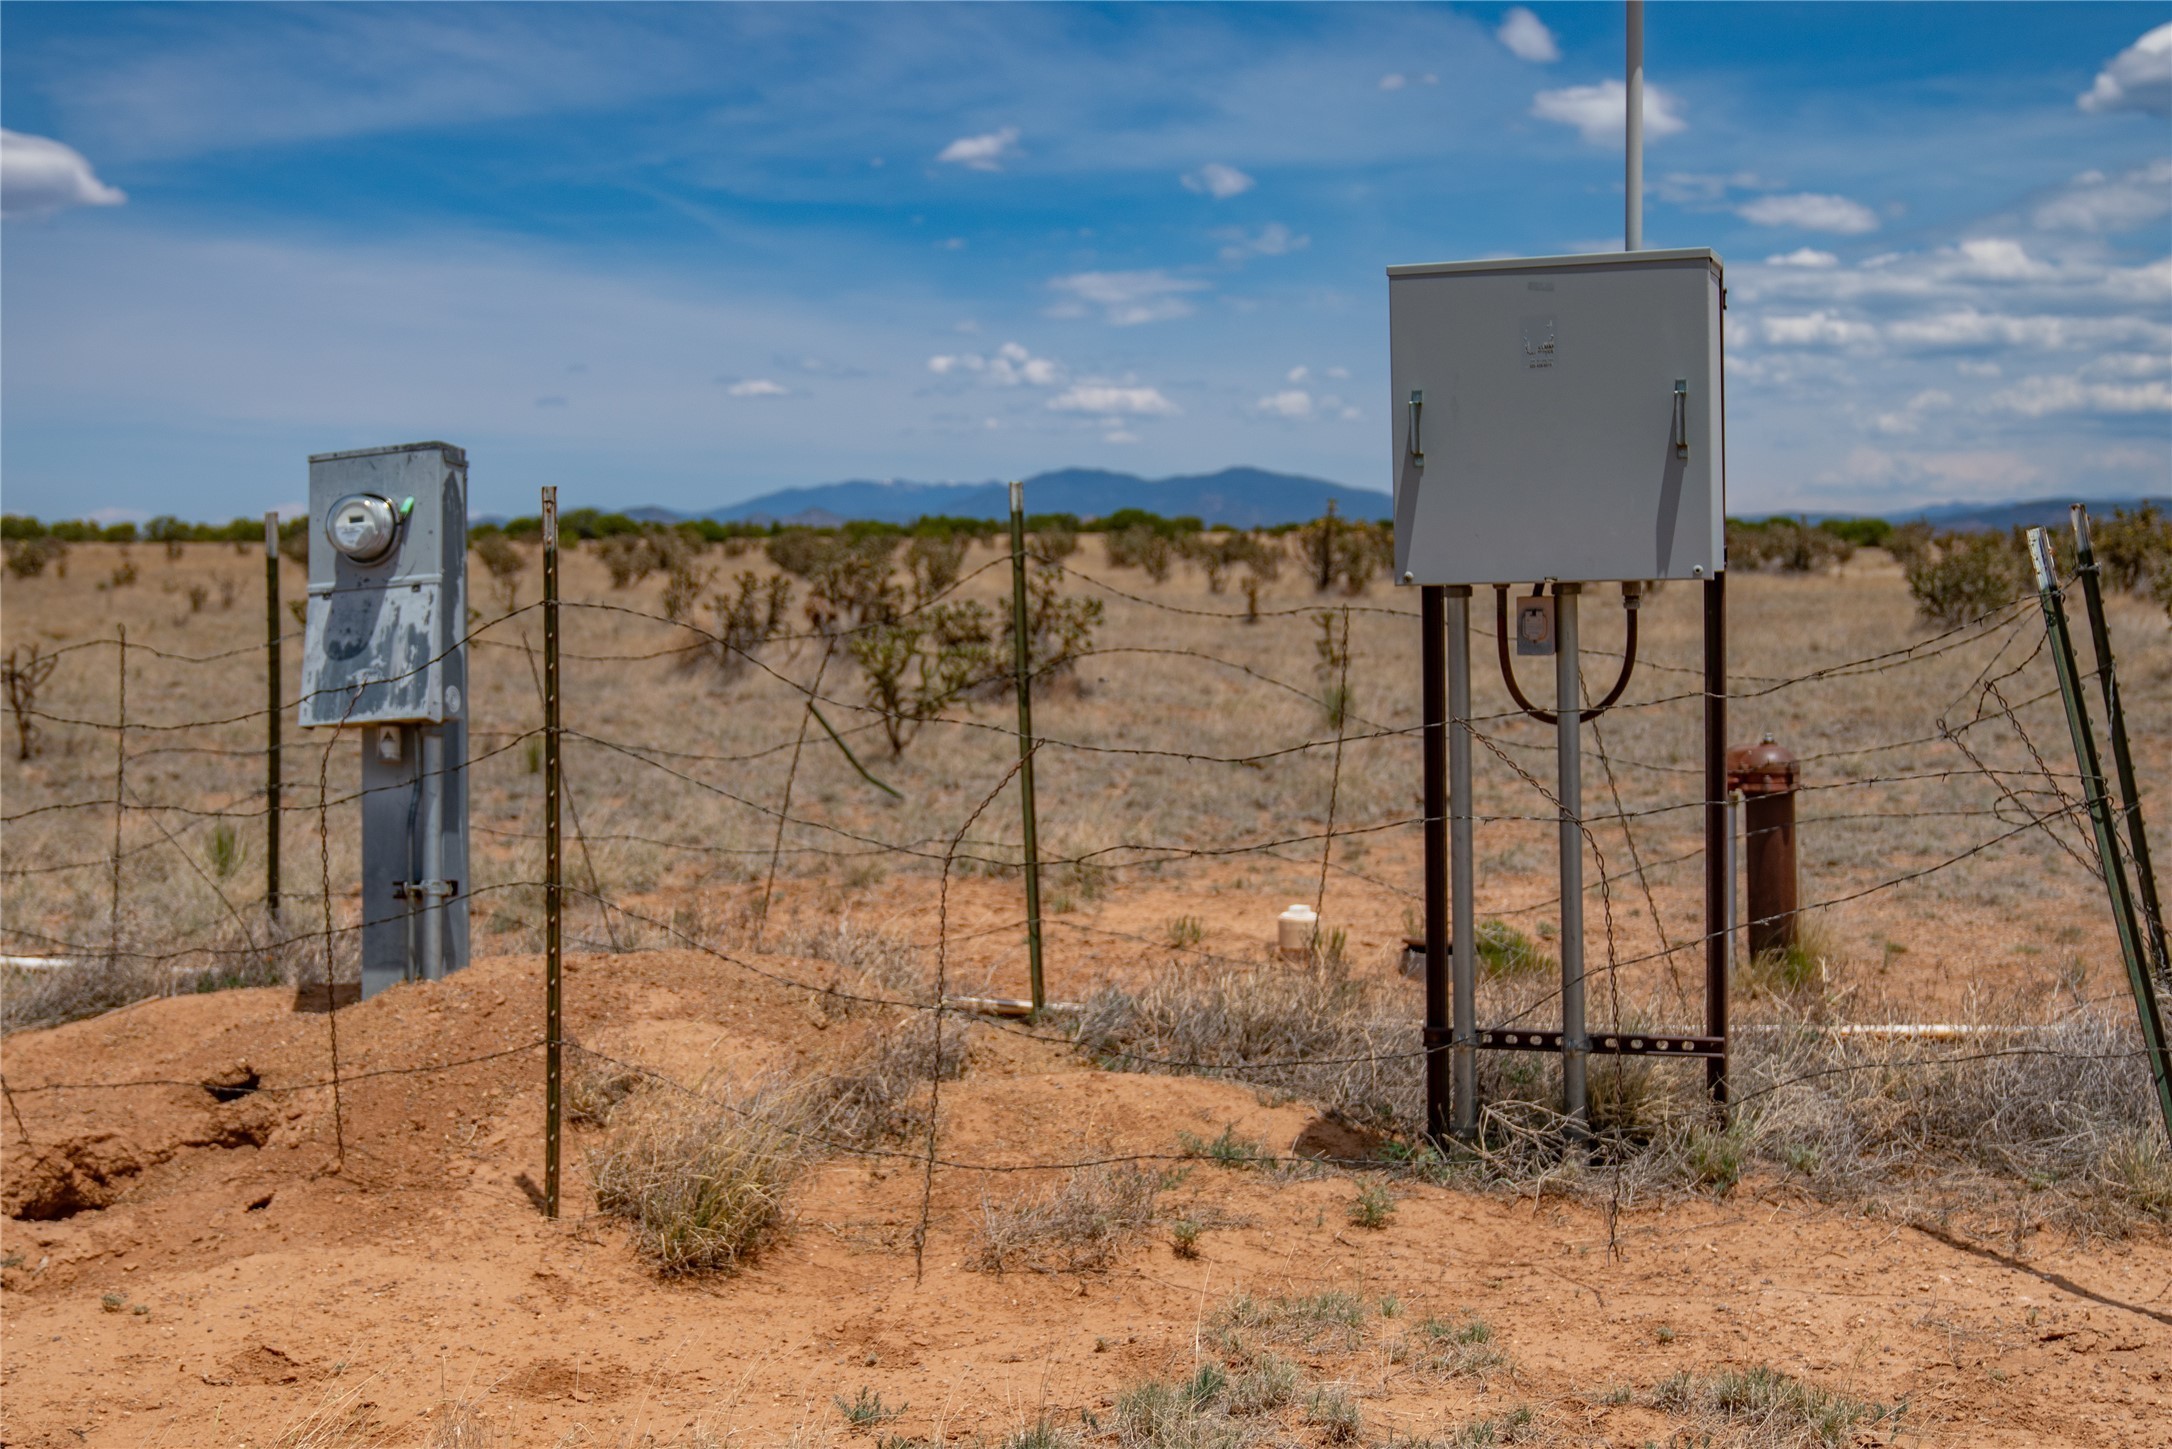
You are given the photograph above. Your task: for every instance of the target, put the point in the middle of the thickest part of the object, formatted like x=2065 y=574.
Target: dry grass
x=1762 y=1408
x=1076 y=1226
x=880 y=1092
x=702 y=1181
x=2062 y=1108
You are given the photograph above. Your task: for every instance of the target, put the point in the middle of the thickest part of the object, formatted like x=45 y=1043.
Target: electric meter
x=363 y=526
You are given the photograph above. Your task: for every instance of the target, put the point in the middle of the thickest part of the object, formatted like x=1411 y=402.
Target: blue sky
x=687 y=254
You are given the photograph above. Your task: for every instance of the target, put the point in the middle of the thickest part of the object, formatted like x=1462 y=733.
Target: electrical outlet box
x=388 y=552
x=1558 y=418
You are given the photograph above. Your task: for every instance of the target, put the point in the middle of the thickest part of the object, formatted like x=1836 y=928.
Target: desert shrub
x=702 y=1182
x=2134 y=550
x=1075 y=1226
x=1785 y=545
x=1361 y=551
x=1054 y=542
x=916 y=667
x=595 y=1086
x=1858 y=532
x=1957 y=577
x=934 y=563
x=1058 y=630
x=1332 y=666
x=1332 y=1321
x=1142 y=547
x=1450 y=1350
x=880 y=1096
x=27 y=557
x=628 y=558
x=23 y=675
x=685 y=581
x=1907 y=542
x=505 y=562
x=848 y=578
x=798 y=550
x=1505 y=951
x=749 y=614
x=1284 y=1019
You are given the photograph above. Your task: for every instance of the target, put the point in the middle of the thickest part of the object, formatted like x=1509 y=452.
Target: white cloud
x=2036 y=397
x=1218 y=181
x=1272 y=240
x=1127 y=298
x=2093 y=201
x=38 y=175
x=1809 y=211
x=756 y=387
x=1394 y=81
x=1293 y=403
x=1527 y=37
x=1909 y=418
x=1600 y=113
x=1113 y=398
x=1804 y=257
x=2139 y=78
x=1297 y=374
x=1338 y=372
x=983 y=153
x=1817 y=329
x=1119 y=435
x=1010 y=366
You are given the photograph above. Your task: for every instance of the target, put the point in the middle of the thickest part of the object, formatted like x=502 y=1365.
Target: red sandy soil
x=227 y=1273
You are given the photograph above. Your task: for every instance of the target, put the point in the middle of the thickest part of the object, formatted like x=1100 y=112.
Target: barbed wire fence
x=726 y=786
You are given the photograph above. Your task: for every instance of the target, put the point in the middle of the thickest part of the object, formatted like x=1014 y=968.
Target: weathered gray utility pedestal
x=384 y=650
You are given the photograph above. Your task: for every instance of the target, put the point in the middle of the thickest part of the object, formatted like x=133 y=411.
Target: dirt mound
x=229 y=1250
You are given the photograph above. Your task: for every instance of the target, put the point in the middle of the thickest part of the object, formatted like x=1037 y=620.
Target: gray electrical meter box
x=383 y=650
x=1558 y=418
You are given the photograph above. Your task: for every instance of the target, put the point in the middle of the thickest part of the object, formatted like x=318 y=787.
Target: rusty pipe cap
x=1762 y=769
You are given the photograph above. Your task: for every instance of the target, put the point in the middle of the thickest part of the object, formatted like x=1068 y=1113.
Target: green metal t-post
x=1022 y=678
x=2115 y=725
x=553 y=867
x=271 y=715
x=2100 y=820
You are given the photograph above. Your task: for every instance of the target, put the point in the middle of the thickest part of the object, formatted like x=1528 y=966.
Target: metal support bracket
x=1612 y=1043
x=418 y=890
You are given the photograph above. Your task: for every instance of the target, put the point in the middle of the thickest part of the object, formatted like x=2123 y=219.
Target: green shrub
x=1957 y=577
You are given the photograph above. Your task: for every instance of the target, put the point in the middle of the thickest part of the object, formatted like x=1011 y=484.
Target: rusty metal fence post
x=271 y=713
x=1022 y=681
x=553 y=868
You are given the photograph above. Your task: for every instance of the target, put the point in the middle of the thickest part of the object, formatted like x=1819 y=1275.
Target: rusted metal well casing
x=1766 y=776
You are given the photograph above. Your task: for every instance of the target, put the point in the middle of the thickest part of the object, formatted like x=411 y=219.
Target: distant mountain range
x=1240 y=497
x=2031 y=513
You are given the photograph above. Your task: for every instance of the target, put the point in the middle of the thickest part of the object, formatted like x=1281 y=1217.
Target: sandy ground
x=246 y=1283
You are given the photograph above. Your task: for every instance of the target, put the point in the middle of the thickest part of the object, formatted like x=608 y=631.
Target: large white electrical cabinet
x=1558 y=418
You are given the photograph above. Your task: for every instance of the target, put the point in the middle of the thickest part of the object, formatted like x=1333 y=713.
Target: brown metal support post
x=1432 y=612
x=271 y=713
x=1715 y=832
x=1022 y=680
x=553 y=866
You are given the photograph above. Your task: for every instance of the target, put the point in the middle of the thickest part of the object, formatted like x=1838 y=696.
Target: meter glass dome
x=362 y=526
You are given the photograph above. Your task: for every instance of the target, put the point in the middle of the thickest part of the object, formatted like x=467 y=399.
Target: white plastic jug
x=1294 y=930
